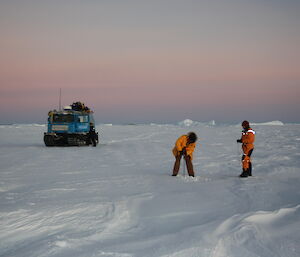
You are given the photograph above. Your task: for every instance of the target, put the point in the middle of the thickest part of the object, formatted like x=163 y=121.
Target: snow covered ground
x=119 y=199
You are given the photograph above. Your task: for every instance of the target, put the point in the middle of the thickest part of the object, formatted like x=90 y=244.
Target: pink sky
x=136 y=61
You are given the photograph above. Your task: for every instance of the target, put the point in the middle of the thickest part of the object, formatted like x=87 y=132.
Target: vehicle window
x=83 y=118
x=63 y=118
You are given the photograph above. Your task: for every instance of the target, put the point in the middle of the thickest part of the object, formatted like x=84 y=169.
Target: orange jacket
x=248 y=138
x=181 y=143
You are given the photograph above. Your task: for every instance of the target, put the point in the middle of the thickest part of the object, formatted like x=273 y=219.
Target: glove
x=239 y=141
x=183 y=152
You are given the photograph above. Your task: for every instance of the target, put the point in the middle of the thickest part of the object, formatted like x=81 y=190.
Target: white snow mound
x=189 y=123
x=270 y=123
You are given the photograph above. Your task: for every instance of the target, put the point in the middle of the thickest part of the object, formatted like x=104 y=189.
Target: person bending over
x=184 y=147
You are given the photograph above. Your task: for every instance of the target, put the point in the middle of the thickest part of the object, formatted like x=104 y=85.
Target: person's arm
x=180 y=144
x=190 y=149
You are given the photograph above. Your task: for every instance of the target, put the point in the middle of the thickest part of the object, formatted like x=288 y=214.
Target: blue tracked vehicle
x=73 y=126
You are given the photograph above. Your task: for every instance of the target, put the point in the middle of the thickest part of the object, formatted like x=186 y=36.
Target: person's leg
x=245 y=163
x=176 y=165
x=189 y=165
x=250 y=169
x=250 y=163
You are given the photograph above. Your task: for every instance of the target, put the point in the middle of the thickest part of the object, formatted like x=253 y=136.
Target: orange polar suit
x=248 y=138
x=182 y=143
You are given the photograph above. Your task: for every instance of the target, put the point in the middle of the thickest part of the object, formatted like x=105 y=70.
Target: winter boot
x=250 y=169
x=244 y=174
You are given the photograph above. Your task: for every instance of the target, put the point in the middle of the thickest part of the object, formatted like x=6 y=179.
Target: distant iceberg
x=212 y=123
x=186 y=123
x=270 y=123
x=189 y=123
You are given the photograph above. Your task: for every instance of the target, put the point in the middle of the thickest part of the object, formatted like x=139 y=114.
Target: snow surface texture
x=119 y=199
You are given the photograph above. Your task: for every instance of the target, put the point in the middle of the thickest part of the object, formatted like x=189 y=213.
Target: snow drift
x=119 y=199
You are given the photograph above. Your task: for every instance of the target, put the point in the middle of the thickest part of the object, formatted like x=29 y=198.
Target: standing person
x=185 y=146
x=247 y=140
x=93 y=135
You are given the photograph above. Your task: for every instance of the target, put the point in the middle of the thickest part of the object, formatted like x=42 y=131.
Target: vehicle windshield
x=83 y=119
x=63 y=118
